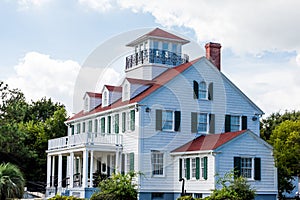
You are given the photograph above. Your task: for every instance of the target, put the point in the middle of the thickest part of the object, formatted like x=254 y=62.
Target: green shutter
x=123 y=122
x=132 y=120
x=187 y=168
x=72 y=129
x=158 y=120
x=194 y=122
x=210 y=91
x=197 y=168
x=90 y=126
x=227 y=123
x=177 y=121
x=83 y=127
x=180 y=168
x=96 y=126
x=131 y=157
x=211 y=123
x=123 y=164
x=196 y=89
x=237 y=166
x=244 y=122
x=103 y=125
x=205 y=168
x=109 y=124
x=257 y=169
x=116 y=123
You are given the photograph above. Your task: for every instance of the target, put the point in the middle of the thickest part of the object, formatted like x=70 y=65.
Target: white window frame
x=207 y=122
x=236 y=125
x=243 y=168
x=202 y=90
x=105 y=98
x=164 y=120
x=193 y=168
x=153 y=168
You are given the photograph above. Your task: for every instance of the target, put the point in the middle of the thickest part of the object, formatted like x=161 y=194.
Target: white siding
x=178 y=95
x=248 y=146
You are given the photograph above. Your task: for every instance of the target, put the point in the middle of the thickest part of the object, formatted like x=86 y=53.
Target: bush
x=58 y=197
x=186 y=198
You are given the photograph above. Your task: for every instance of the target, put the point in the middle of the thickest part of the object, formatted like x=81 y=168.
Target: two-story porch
x=75 y=161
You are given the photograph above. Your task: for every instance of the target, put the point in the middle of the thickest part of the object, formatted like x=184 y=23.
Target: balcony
x=85 y=139
x=155 y=56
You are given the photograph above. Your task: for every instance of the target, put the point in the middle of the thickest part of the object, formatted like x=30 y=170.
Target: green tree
x=233 y=188
x=268 y=124
x=11 y=181
x=118 y=187
x=285 y=139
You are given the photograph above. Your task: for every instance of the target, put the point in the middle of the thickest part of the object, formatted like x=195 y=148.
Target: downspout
x=140 y=146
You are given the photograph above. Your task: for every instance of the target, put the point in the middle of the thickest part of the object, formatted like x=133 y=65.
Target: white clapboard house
x=171 y=119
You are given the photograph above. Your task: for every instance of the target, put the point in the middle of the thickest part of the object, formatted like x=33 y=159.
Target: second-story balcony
x=83 y=139
x=155 y=56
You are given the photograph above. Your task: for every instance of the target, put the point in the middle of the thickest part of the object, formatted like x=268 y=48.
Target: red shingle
x=93 y=94
x=114 y=88
x=164 y=34
x=157 y=83
x=208 y=142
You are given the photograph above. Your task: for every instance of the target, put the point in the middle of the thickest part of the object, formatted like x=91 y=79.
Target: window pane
x=193 y=167
x=167 y=120
x=246 y=167
x=235 y=123
x=157 y=163
x=202 y=90
x=202 y=122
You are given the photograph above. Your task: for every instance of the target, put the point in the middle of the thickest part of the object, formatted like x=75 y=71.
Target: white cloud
x=98 y=5
x=38 y=75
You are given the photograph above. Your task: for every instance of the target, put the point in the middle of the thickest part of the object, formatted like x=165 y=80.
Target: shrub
x=59 y=197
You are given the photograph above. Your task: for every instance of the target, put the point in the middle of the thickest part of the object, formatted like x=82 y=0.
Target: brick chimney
x=213 y=53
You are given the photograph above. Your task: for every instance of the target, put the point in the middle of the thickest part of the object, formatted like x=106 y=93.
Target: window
x=247 y=167
x=83 y=127
x=116 y=124
x=72 y=129
x=103 y=125
x=123 y=122
x=155 y=45
x=109 y=124
x=78 y=128
x=126 y=92
x=167 y=120
x=157 y=196
x=235 y=123
x=202 y=90
x=132 y=120
x=96 y=126
x=90 y=126
x=202 y=123
x=174 y=48
x=157 y=163
x=194 y=167
x=105 y=98
x=86 y=104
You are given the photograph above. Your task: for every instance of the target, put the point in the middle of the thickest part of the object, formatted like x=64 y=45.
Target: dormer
x=91 y=100
x=132 y=87
x=154 y=53
x=110 y=94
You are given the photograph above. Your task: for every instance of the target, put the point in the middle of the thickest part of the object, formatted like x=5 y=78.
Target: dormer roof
x=94 y=95
x=139 y=81
x=158 y=34
x=113 y=88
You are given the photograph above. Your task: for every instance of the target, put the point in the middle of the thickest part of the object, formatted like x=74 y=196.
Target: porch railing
x=83 y=139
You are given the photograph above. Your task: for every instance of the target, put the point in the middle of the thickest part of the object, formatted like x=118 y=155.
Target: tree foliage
x=11 y=182
x=233 y=188
x=118 y=187
x=25 y=129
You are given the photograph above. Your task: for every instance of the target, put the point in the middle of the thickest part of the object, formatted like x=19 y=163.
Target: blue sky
x=44 y=43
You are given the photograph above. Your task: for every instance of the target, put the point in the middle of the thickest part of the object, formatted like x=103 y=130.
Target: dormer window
x=86 y=104
x=105 y=98
x=126 y=92
x=202 y=90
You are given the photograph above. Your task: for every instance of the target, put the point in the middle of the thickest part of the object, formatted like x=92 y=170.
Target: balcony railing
x=155 y=56
x=85 y=139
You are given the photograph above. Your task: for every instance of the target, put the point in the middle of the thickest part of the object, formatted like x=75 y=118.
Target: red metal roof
x=164 y=34
x=157 y=83
x=208 y=142
x=113 y=88
x=93 y=94
x=139 y=81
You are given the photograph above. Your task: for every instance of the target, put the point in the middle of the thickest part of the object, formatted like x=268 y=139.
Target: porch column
x=117 y=167
x=48 y=170
x=91 y=168
x=85 y=168
x=53 y=171
x=71 y=170
x=59 y=184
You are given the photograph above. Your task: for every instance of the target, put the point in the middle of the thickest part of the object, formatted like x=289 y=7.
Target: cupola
x=154 y=53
